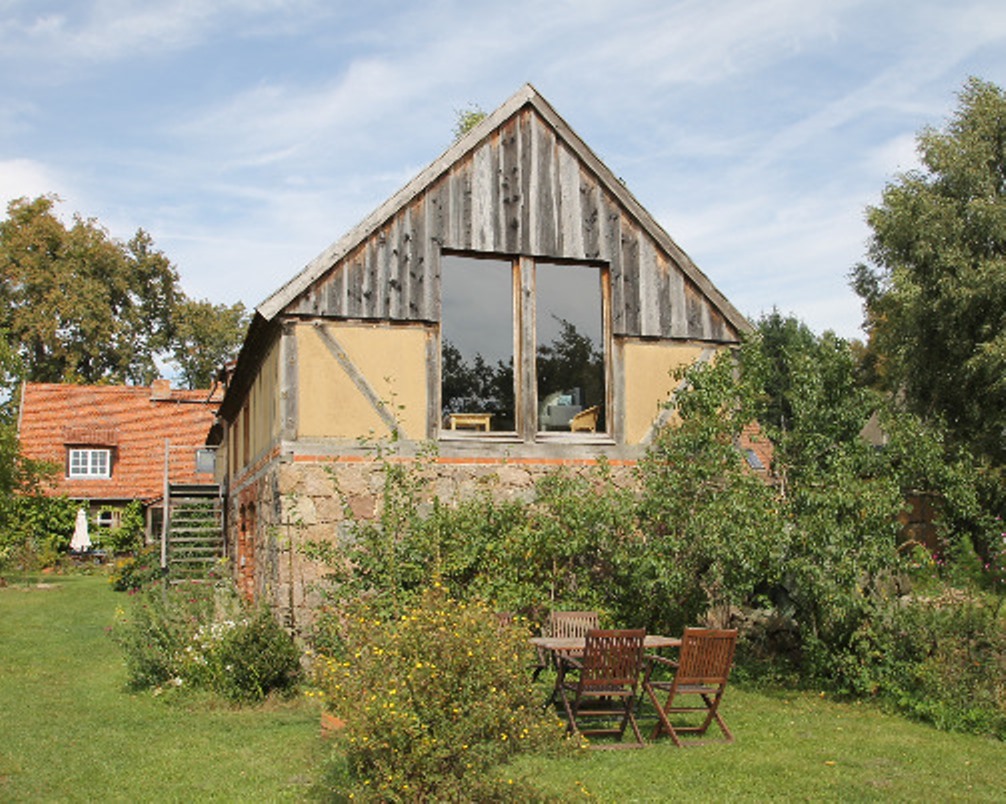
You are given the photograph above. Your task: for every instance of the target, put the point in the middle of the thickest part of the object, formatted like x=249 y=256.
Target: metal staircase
x=193 y=542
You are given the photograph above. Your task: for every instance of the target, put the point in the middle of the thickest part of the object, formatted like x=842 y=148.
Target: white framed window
x=89 y=462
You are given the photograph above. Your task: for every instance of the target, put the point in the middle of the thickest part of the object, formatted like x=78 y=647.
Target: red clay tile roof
x=132 y=420
x=752 y=438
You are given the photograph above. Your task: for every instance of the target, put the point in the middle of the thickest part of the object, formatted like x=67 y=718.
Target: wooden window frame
x=525 y=358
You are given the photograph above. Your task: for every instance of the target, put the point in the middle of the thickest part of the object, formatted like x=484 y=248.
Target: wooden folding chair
x=604 y=687
x=707 y=654
x=564 y=624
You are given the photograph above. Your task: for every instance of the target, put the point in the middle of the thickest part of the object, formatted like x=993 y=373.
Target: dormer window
x=89 y=463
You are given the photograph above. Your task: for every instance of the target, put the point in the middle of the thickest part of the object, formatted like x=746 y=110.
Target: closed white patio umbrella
x=80 y=541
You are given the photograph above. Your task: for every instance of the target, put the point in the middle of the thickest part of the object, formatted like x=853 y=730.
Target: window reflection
x=476 y=342
x=569 y=353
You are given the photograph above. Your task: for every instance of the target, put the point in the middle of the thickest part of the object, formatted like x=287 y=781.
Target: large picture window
x=89 y=463
x=569 y=348
x=477 y=344
x=522 y=347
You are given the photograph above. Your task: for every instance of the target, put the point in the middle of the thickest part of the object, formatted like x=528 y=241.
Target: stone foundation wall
x=305 y=501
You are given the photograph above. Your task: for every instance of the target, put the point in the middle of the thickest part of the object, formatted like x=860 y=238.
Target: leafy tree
x=935 y=295
x=22 y=505
x=80 y=306
x=207 y=335
x=18 y=475
x=571 y=360
x=467 y=119
x=782 y=339
x=713 y=533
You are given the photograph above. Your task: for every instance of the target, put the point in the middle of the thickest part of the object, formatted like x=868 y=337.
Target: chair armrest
x=654 y=658
x=573 y=663
x=650 y=660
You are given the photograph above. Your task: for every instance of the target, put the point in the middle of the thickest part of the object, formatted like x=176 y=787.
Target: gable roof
x=134 y=421
x=527 y=98
x=521 y=182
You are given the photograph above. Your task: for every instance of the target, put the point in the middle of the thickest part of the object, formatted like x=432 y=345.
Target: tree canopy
x=76 y=305
x=206 y=335
x=935 y=293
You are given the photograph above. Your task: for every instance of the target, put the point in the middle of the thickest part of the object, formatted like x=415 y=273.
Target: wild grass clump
x=943 y=662
x=436 y=701
x=203 y=636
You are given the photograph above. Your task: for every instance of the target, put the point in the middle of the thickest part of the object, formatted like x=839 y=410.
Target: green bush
x=699 y=537
x=246 y=659
x=157 y=626
x=940 y=659
x=35 y=531
x=128 y=536
x=435 y=701
x=133 y=572
x=204 y=637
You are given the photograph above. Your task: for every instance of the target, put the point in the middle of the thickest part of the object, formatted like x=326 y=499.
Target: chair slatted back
x=612 y=658
x=570 y=623
x=707 y=654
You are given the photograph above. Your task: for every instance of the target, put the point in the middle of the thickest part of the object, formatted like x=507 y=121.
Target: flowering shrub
x=995 y=562
x=133 y=572
x=205 y=637
x=435 y=702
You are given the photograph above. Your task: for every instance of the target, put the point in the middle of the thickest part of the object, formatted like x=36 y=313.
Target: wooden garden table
x=577 y=644
x=574 y=645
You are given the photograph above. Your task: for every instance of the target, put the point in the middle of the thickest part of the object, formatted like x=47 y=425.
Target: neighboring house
x=514 y=304
x=109 y=443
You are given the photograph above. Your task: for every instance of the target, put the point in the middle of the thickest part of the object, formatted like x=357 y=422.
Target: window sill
x=480 y=435
x=574 y=438
x=571 y=439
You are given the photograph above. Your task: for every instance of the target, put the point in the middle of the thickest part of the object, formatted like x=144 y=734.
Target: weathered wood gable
x=520 y=183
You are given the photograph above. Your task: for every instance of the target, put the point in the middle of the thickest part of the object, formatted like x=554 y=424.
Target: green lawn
x=796 y=747
x=70 y=732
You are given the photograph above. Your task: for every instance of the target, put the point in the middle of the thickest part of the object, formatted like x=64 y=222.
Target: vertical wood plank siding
x=520 y=192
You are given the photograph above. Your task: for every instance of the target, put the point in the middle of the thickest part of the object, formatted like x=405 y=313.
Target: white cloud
x=896 y=155
x=112 y=30
x=25 y=178
x=247 y=135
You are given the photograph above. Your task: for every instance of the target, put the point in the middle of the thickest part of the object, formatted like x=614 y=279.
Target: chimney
x=160 y=390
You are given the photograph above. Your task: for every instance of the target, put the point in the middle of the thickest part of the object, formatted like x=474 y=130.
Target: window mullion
x=527 y=388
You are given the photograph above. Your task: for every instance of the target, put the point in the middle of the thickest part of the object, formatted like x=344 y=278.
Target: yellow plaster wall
x=262 y=418
x=648 y=369
x=266 y=418
x=391 y=359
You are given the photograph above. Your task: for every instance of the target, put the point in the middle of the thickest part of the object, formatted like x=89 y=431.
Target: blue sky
x=248 y=135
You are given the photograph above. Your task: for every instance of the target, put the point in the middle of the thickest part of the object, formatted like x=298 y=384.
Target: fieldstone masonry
x=300 y=501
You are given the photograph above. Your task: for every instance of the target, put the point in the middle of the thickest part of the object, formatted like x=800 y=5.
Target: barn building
x=513 y=304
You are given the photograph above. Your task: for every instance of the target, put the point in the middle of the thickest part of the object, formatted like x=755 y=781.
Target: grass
x=793 y=747
x=70 y=731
